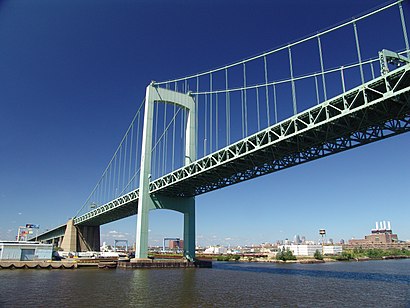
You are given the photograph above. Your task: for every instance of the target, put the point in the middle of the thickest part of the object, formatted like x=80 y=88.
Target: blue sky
x=73 y=73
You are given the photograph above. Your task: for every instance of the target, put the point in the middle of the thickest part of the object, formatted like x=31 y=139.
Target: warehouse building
x=25 y=251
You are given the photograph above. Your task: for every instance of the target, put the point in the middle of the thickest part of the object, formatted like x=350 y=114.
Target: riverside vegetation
x=347 y=255
x=371 y=253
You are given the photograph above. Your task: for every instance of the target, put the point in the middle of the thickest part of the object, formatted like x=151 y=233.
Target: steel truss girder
x=50 y=234
x=356 y=117
x=118 y=208
x=371 y=112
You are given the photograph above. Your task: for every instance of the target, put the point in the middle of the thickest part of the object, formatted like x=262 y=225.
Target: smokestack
x=381 y=225
x=384 y=225
x=388 y=225
x=377 y=225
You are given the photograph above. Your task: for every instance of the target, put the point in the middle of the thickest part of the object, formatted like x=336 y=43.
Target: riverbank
x=310 y=260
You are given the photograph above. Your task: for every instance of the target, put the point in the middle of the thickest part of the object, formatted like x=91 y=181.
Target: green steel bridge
x=203 y=132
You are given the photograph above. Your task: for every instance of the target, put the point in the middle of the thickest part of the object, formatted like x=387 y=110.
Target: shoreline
x=315 y=261
x=165 y=263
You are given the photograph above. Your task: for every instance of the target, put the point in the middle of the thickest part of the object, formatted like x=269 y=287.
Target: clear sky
x=73 y=73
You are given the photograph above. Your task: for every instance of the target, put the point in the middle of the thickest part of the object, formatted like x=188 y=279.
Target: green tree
x=279 y=255
x=318 y=255
x=285 y=255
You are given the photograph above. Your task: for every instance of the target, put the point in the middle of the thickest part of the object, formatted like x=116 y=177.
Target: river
x=227 y=284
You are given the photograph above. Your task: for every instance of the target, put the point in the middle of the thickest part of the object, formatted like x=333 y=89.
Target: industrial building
x=309 y=250
x=25 y=251
x=381 y=237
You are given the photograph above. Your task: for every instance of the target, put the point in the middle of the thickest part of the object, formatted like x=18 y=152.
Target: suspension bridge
x=332 y=91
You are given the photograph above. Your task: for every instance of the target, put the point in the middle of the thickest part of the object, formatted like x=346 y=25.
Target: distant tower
x=296 y=239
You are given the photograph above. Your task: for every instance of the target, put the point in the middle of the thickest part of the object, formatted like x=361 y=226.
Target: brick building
x=176 y=244
x=381 y=237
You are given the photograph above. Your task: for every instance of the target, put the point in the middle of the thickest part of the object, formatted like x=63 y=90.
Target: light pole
x=322 y=232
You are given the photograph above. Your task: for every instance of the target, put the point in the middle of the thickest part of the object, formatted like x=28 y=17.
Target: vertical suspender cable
x=266 y=90
x=295 y=109
x=403 y=24
x=205 y=122
x=317 y=91
x=119 y=172
x=109 y=183
x=98 y=193
x=322 y=68
x=196 y=114
x=173 y=138
x=216 y=121
x=210 y=113
x=274 y=103
x=185 y=113
x=245 y=100
x=257 y=108
x=359 y=56
x=242 y=115
x=137 y=160
x=343 y=86
x=342 y=77
x=114 y=179
x=154 y=155
x=228 y=109
x=130 y=154
x=372 y=69
x=124 y=163
x=164 y=141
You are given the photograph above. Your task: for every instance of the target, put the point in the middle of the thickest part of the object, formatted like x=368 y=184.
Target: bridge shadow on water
x=277 y=269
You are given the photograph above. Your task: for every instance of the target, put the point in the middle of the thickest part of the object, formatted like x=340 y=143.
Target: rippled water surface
x=353 y=284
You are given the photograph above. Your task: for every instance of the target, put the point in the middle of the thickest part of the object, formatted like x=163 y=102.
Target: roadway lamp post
x=322 y=232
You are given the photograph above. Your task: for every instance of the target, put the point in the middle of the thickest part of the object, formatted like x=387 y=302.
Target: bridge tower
x=148 y=202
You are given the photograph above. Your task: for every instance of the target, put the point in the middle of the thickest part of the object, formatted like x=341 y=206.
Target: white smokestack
x=377 y=225
x=384 y=225
x=381 y=225
x=388 y=225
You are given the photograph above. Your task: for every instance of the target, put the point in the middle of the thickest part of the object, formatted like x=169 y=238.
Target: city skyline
x=74 y=76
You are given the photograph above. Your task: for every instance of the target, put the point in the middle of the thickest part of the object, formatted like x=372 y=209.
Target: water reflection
x=394 y=278
x=373 y=284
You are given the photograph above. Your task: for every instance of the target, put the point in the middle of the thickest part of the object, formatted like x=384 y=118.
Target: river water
x=339 y=284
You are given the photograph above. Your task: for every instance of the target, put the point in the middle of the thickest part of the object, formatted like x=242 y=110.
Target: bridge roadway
x=371 y=112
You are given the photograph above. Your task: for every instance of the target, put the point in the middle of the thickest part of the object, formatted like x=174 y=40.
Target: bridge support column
x=82 y=238
x=89 y=238
x=189 y=230
x=186 y=206
x=69 y=242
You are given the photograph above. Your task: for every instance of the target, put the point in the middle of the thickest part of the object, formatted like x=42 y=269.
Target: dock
x=105 y=264
x=38 y=265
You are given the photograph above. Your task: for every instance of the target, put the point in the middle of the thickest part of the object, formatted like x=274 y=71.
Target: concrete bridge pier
x=81 y=238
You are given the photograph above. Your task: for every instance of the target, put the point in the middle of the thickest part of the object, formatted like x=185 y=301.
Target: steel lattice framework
x=373 y=111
